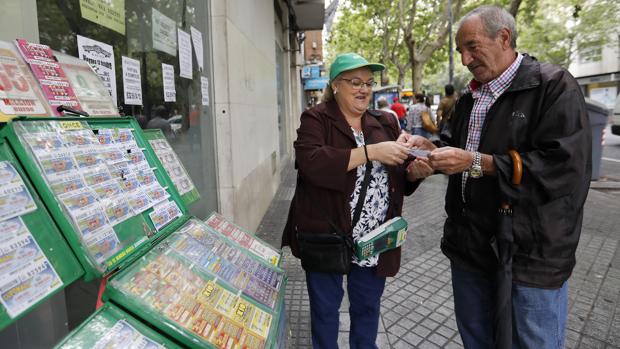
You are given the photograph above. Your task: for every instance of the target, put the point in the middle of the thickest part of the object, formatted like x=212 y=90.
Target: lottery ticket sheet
x=172 y=165
x=219 y=296
x=245 y=239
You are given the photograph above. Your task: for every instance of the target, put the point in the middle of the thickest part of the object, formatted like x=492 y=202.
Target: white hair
x=494 y=18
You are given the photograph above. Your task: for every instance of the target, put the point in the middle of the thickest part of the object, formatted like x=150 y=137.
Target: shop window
x=186 y=122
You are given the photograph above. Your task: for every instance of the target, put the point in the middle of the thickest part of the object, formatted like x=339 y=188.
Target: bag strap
x=360 y=202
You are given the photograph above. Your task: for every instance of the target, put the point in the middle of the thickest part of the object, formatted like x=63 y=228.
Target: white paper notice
x=204 y=84
x=185 y=55
x=100 y=56
x=132 y=84
x=164 y=37
x=197 y=40
x=167 y=72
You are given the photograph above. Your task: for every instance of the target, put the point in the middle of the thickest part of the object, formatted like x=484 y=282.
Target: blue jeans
x=538 y=315
x=326 y=292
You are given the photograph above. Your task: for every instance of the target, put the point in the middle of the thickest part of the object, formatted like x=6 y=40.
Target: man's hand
x=388 y=153
x=451 y=160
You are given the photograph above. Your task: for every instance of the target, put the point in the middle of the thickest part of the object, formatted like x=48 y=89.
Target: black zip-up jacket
x=542 y=115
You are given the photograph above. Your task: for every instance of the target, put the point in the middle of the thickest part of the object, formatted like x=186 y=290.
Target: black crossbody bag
x=332 y=252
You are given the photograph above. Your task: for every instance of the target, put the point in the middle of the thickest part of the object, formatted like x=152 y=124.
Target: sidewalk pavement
x=417 y=305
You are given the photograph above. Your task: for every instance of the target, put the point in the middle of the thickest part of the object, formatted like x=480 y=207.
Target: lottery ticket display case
x=35 y=260
x=114 y=194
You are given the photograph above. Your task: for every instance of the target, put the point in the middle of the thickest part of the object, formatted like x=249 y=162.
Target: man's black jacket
x=542 y=115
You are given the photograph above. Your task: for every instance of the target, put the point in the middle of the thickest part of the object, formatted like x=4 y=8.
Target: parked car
x=615 y=118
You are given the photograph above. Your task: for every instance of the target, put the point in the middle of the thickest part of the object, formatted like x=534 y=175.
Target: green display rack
x=173 y=166
x=35 y=260
x=249 y=307
x=111 y=327
x=198 y=287
x=130 y=238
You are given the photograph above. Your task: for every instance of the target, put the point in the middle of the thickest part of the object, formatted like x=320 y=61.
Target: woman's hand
x=418 y=169
x=388 y=153
x=415 y=141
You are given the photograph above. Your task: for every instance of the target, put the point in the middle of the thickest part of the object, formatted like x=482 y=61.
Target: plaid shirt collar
x=500 y=84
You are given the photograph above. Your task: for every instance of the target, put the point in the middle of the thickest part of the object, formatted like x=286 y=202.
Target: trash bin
x=598 y=114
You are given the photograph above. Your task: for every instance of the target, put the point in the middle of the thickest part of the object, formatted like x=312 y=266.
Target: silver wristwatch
x=475 y=171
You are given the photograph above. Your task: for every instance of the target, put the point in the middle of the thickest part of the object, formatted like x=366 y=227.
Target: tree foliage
x=551 y=30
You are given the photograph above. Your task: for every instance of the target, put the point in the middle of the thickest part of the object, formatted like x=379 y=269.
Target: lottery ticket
x=155 y=192
x=79 y=199
x=89 y=220
x=88 y=157
x=121 y=335
x=139 y=201
x=227 y=334
x=117 y=210
x=70 y=183
x=105 y=136
x=43 y=141
x=15 y=200
x=22 y=290
x=135 y=156
x=103 y=245
x=419 y=153
x=251 y=341
x=55 y=164
x=18 y=253
x=108 y=190
x=125 y=136
x=79 y=138
x=11 y=228
x=207 y=323
x=96 y=175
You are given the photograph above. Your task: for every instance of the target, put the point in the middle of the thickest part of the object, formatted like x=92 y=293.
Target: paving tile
x=417 y=306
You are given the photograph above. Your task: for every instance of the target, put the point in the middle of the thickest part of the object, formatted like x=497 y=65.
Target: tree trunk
x=417 y=73
x=514 y=7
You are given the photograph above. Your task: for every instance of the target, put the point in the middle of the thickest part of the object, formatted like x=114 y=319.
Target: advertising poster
x=164 y=36
x=52 y=79
x=19 y=91
x=89 y=89
x=204 y=86
x=197 y=41
x=185 y=55
x=167 y=73
x=108 y=13
x=100 y=56
x=132 y=84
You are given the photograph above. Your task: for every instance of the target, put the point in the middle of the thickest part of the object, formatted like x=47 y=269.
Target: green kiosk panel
x=110 y=327
x=35 y=260
x=102 y=184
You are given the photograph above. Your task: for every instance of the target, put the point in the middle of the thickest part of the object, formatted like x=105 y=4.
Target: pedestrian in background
x=382 y=103
x=538 y=110
x=400 y=111
x=337 y=142
x=419 y=120
x=445 y=109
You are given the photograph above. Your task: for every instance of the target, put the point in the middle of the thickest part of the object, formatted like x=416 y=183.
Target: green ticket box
x=35 y=260
x=113 y=198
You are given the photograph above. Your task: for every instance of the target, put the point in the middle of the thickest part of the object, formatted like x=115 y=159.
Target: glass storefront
x=147 y=33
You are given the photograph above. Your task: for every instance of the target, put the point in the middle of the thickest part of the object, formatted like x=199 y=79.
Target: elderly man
x=512 y=102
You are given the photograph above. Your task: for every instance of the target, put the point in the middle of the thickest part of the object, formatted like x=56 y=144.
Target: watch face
x=475 y=172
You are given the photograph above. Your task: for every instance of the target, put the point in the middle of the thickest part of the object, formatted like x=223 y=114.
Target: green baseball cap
x=350 y=61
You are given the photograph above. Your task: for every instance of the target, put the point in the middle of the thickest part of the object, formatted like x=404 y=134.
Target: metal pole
x=450 y=49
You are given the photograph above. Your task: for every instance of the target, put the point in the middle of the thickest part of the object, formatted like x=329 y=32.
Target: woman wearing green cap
x=337 y=142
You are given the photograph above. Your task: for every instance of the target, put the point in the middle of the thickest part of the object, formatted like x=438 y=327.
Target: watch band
x=475 y=171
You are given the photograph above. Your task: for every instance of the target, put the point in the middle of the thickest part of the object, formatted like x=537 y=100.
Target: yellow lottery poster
x=108 y=13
